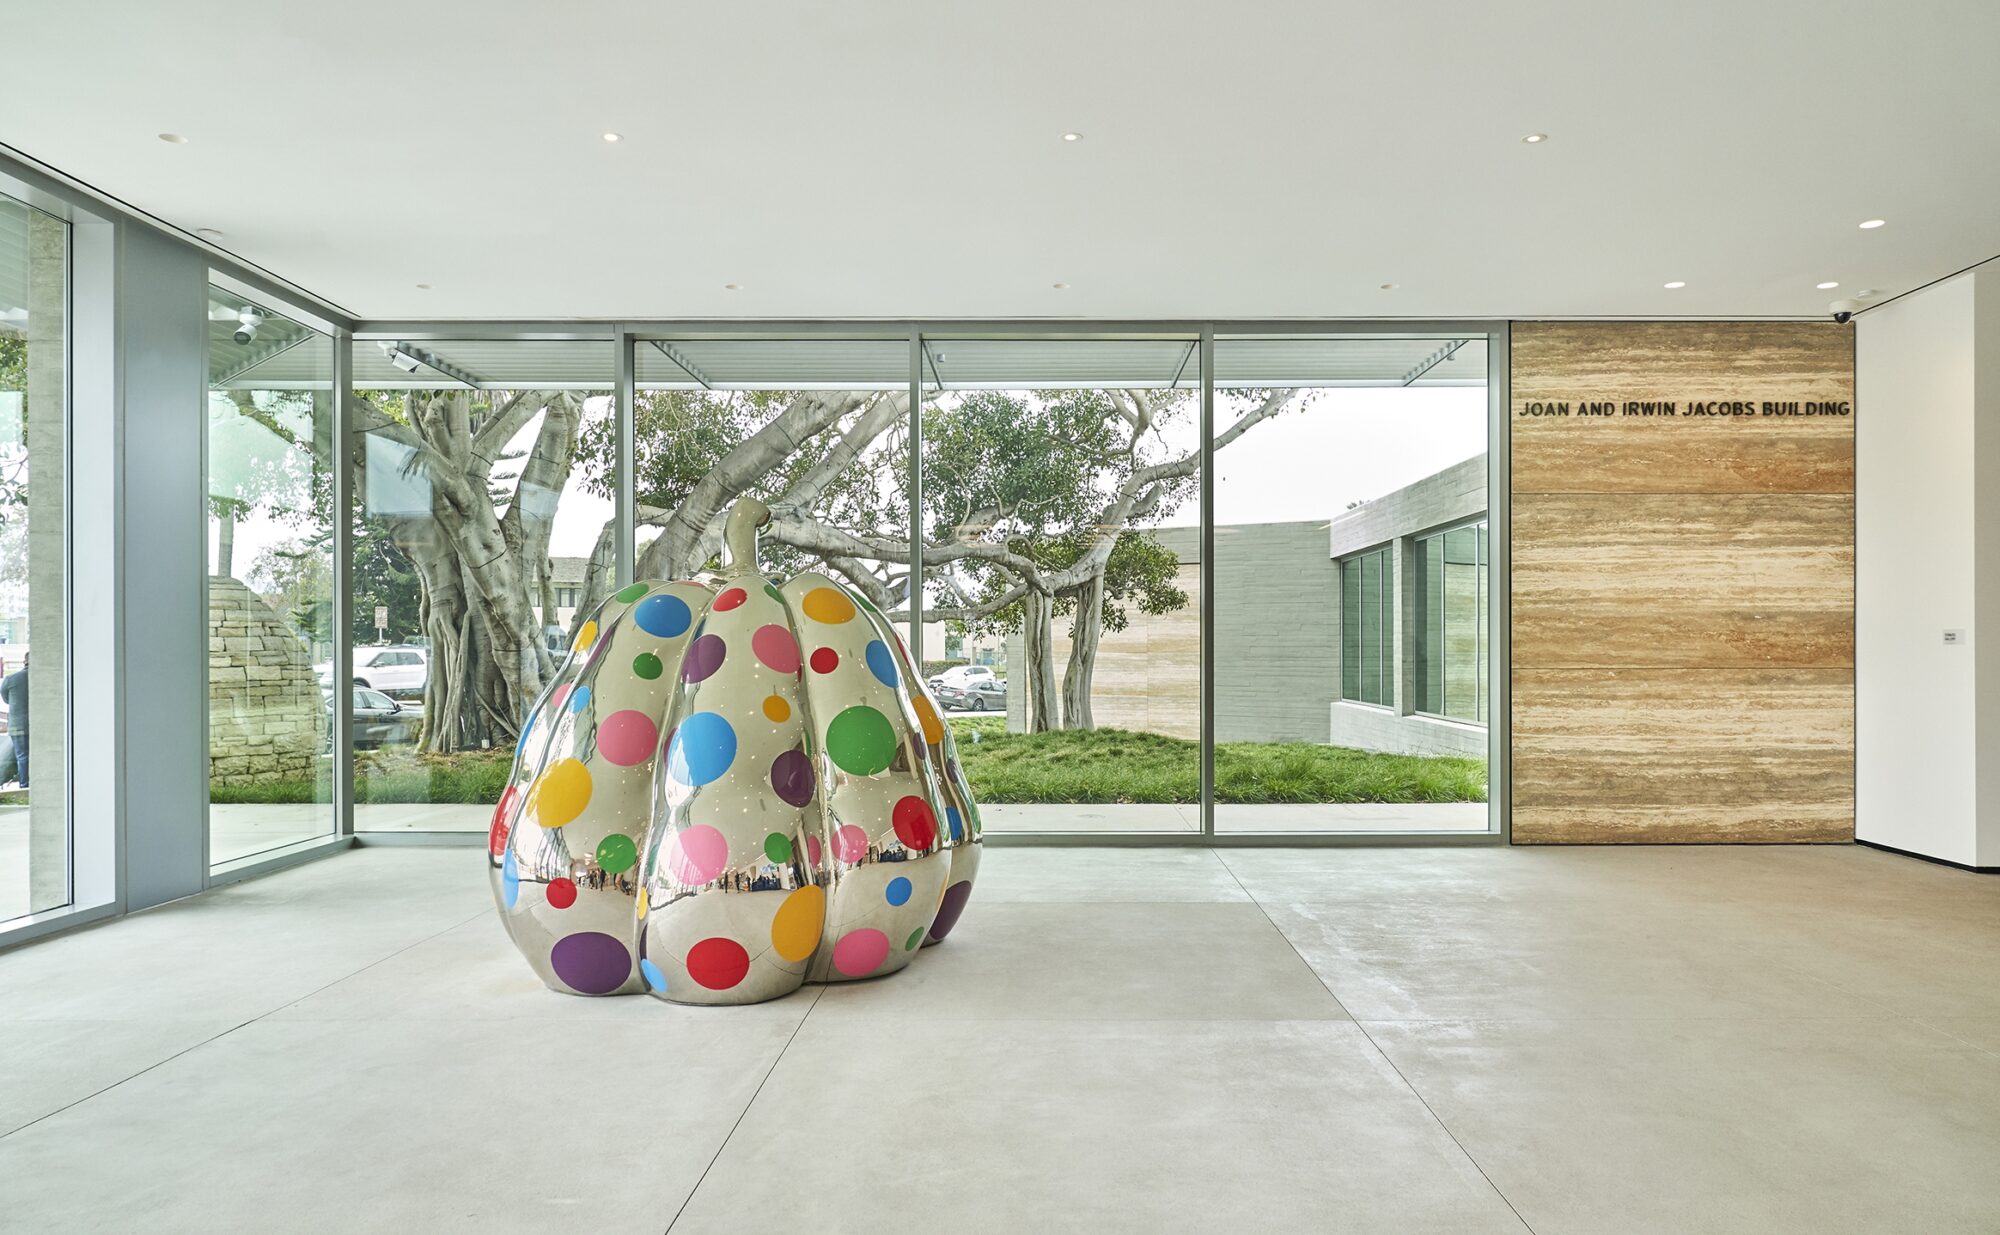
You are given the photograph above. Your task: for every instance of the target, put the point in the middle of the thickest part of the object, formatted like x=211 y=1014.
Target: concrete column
x=48 y=810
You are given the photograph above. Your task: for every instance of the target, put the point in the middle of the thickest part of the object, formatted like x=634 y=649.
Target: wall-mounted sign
x=1685 y=408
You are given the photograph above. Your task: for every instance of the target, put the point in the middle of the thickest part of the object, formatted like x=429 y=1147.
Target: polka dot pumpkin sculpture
x=729 y=790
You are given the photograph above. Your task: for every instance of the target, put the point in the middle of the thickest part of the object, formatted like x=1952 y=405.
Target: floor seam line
x=1377 y=1048
x=745 y=1112
x=217 y=1037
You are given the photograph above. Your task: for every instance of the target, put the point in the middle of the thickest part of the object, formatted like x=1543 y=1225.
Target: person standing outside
x=14 y=693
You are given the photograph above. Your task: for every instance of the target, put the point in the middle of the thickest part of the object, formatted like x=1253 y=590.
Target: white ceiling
x=894 y=158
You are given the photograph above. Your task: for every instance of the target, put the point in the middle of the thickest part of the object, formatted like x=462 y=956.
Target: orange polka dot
x=927 y=718
x=796 y=928
x=777 y=709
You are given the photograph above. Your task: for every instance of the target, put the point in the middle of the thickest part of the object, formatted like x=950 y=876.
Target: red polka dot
x=496 y=839
x=730 y=599
x=825 y=660
x=916 y=824
x=718 y=963
x=562 y=893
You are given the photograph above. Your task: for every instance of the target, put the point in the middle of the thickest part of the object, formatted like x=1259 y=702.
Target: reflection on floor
x=1643 y=1040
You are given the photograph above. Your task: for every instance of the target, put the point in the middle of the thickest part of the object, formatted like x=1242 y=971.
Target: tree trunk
x=1037 y=649
x=1085 y=628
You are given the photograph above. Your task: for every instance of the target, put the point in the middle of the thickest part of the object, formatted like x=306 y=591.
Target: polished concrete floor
x=1580 y=1041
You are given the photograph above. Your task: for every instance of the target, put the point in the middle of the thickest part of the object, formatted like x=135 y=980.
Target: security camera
x=1842 y=310
x=395 y=355
x=246 y=325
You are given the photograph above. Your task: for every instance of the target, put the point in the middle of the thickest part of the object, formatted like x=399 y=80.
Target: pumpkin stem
x=739 y=534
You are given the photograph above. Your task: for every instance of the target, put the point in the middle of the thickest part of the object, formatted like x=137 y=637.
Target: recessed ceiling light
x=1826 y=287
x=423 y=287
x=1061 y=287
x=1072 y=137
x=1865 y=293
x=1535 y=139
x=173 y=139
x=209 y=233
x=614 y=137
x=1676 y=283
x=1871 y=224
x=1389 y=287
x=732 y=287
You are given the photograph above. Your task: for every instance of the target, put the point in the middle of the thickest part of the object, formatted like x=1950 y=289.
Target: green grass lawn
x=1118 y=765
x=1095 y=766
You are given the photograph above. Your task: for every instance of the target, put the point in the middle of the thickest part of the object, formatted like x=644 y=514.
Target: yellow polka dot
x=927 y=717
x=586 y=636
x=645 y=903
x=829 y=605
x=777 y=709
x=559 y=794
x=795 y=929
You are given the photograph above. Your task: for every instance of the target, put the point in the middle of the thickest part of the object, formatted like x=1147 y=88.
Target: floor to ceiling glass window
x=485 y=533
x=34 y=561
x=1061 y=509
x=1349 y=575
x=270 y=578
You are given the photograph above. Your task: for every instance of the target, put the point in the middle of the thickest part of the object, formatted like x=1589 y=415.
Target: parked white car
x=964 y=677
x=394 y=670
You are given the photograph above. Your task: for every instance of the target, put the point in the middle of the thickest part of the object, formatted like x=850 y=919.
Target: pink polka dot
x=861 y=952
x=812 y=852
x=775 y=646
x=627 y=738
x=697 y=855
x=850 y=844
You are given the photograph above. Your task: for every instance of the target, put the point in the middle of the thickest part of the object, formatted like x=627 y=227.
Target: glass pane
x=1062 y=552
x=270 y=584
x=34 y=815
x=1334 y=457
x=484 y=534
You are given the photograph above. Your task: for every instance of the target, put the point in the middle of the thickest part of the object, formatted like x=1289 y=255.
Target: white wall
x=1916 y=510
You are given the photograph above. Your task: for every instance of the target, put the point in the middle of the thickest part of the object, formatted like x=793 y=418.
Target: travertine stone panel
x=1683 y=584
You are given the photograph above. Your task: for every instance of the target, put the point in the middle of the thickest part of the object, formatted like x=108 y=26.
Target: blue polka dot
x=663 y=616
x=655 y=980
x=526 y=729
x=953 y=822
x=898 y=890
x=703 y=748
x=881 y=663
x=510 y=880
x=579 y=699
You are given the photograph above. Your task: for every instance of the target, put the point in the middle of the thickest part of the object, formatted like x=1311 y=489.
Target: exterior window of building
x=1450 y=643
x=1367 y=626
x=34 y=555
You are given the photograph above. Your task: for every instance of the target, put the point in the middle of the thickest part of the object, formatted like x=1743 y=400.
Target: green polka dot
x=647 y=666
x=616 y=853
x=771 y=591
x=778 y=848
x=916 y=937
x=861 y=741
x=630 y=594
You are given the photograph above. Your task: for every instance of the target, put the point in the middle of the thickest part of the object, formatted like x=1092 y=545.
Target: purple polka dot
x=591 y=962
x=792 y=777
x=704 y=657
x=953 y=904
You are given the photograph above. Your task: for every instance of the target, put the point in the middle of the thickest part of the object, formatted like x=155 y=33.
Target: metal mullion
x=1207 y=345
x=343 y=582
x=916 y=474
x=1499 y=603
x=624 y=498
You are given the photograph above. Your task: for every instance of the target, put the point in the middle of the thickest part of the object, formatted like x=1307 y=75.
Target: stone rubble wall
x=266 y=719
